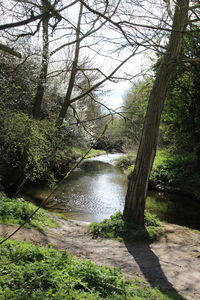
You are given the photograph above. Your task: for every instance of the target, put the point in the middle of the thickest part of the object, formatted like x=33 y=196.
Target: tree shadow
x=150 y=267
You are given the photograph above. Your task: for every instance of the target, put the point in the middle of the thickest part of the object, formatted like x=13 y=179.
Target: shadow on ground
x=150 y=267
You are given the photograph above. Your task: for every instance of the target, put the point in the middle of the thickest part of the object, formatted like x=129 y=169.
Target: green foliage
x=33 y=149
x=161 y=156
x=16 y=211
x=135 y=105
x=116 y=227
x=17 y=83
x=95 y=152
x=126 y=161
x=33 y=272
x=181 y=117
x=76 y=152
x=176 y=169
x=114 y=138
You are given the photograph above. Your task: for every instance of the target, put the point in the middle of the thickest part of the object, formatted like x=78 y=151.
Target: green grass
x=30 y=272
x=95 y=152
x=127 y=162
x=116 y=227
x=78 y=152
x=16 y=211
x=178 y=170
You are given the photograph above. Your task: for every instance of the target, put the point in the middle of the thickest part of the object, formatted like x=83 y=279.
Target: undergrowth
x=16 y=211
x=116 y=227
x=126 y=161
x=169 y=169
x=34 y=272
x=77 y=152
x=176 y=169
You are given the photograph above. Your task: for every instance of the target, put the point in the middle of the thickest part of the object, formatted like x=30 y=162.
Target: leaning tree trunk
x=138 y=183
x=37 y=105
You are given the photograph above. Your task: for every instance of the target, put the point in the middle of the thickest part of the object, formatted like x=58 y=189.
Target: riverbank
x=172 y=263
x=175 y=174
x=97 y=189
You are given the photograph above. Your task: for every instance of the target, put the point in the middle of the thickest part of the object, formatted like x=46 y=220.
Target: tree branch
x=9 y=50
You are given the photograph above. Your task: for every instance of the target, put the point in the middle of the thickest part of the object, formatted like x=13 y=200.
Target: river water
x=97 y=189
x=94 y=191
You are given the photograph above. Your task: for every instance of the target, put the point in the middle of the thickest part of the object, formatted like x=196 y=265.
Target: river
x=97 y=189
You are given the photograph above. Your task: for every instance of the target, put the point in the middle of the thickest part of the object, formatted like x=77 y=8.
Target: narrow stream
x=97 y=189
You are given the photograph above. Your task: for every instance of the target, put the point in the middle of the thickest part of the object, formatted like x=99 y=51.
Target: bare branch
x=9 y=50
x=102 y=81
x=21 y=23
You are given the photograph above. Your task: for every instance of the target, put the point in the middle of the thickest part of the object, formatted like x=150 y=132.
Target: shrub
x=34 y=270
x=116 y=227
x=126 y=161
x=175 y=169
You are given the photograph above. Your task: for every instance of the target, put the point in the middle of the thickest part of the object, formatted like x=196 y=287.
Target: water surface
x=97 y=189
x=94 y=191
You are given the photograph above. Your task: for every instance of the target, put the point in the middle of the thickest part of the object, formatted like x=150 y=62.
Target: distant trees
x=135 y=105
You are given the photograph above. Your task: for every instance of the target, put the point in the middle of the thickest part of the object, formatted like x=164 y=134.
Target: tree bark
x=67 y=100
x=37 y=105
x=138 y=182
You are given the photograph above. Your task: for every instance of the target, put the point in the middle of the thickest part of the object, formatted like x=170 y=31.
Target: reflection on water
x=97 y=189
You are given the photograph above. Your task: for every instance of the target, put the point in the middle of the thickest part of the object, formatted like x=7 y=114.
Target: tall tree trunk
x=37 y=105
x=138 y=183
x=72 y=78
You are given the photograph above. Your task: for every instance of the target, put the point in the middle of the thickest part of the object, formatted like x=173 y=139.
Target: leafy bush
x=16 y=211
x=43 y=271
x=33 y=272
x=33 y=149
x=116 y=227
x=175 y=169
x=127 y=160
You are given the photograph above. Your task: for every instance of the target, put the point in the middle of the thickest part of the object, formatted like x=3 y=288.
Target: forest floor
x=171 y=263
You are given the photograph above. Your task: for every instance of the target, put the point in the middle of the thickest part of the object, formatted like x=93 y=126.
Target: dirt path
x=173 y=263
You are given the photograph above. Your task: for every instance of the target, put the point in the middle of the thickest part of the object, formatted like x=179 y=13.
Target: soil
x=171 y=263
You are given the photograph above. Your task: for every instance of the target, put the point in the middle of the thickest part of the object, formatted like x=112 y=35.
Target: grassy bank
x=16 y=211
x=178 y=172
x=35 y=272
x=79 y=152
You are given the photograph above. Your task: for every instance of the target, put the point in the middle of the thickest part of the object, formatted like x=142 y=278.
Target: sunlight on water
x=96 y=190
